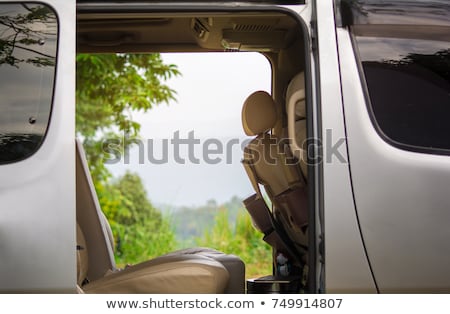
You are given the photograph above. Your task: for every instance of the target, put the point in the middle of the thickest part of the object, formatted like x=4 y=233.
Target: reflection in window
x=28 y=45
x=408 y=82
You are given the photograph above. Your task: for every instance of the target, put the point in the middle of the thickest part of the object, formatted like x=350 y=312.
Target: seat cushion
x=234 y=265
x=178 y=273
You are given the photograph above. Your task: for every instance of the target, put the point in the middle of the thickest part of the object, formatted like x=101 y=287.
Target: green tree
x=140 y=230
x=110 y=88
x=240 y=239
x=135 y=205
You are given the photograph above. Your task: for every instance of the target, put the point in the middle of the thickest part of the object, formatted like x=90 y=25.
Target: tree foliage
x=131 y=199
x=23 y=32
x=438 y=62
x=110 y=88
x=240 y=239
x=140 y=230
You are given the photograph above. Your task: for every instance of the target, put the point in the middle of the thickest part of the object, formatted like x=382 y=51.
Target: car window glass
x=28 y=46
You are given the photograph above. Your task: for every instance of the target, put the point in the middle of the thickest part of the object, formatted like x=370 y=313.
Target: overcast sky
x=210 y=94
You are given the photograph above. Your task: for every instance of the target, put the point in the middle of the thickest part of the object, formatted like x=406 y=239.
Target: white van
x=360 y=186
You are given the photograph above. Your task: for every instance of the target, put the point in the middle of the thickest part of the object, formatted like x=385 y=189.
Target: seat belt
x=263 y=218
x=252 y=178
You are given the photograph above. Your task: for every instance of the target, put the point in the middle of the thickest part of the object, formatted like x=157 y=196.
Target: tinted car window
x=408 y=82
x=28 y=46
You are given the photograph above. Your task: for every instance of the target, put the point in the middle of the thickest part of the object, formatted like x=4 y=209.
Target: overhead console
x=245 y=33
x=164 y=32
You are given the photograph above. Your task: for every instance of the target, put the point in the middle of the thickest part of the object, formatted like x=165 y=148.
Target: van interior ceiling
x=277 y=36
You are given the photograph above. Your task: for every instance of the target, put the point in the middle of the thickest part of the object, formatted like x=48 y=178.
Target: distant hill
x=192 y=222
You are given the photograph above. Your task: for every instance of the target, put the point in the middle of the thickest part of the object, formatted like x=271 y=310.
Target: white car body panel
x=37 y=195
x=346 y=266
x=401 y=197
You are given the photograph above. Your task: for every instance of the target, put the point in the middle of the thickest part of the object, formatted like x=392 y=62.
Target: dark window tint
x=408 y=82
x=28 y=44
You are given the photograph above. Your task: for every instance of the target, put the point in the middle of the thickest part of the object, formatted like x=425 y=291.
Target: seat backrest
x=266 y=157
x=82 y=257
x=268 y=161
x=91 y=221
x=296 y=111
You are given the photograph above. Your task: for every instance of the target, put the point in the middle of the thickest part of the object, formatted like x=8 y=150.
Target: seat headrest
x=297 y=83
x=258 y=113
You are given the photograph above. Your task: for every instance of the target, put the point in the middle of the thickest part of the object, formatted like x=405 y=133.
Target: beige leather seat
x=296 y=109
x=269 y=162
x=197 y=270
x=173 y=273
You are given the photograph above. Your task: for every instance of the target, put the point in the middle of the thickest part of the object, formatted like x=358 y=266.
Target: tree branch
x=34 y=51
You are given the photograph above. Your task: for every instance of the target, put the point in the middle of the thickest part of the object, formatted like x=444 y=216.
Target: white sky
x=210 y=95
